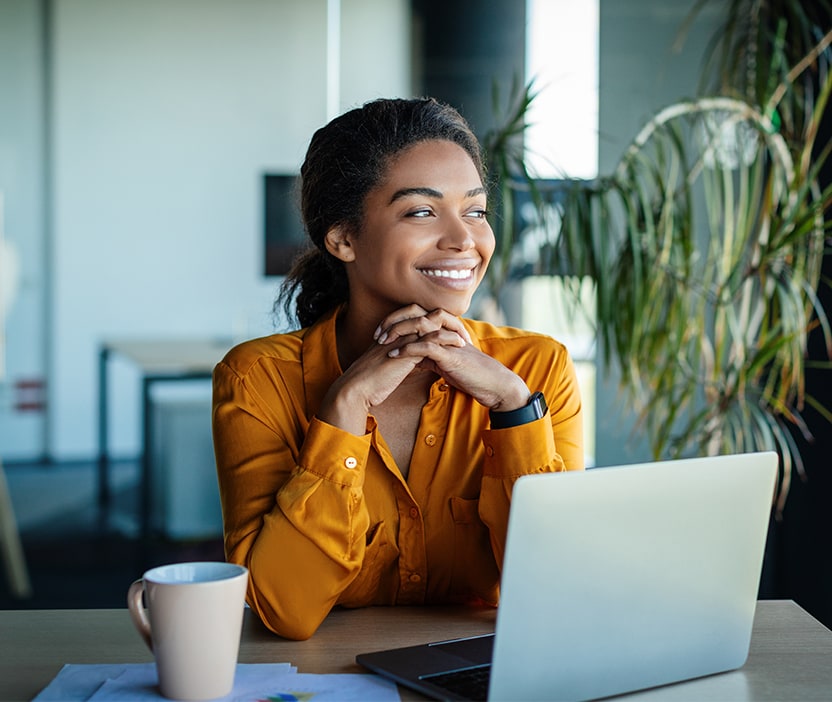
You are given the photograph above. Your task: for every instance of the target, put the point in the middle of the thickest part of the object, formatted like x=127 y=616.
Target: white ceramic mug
x=192 y=625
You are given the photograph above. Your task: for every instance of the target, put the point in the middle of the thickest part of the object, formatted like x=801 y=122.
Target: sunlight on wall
x=562 y=141
x=564 y=308
x=562 y=58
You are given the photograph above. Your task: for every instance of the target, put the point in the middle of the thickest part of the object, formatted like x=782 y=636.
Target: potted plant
x=705 y=244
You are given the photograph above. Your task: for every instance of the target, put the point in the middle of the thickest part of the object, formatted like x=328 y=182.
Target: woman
x=359 y=458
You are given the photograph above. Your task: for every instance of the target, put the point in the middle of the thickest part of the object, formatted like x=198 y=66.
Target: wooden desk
x=158 y=361
x=790 y=658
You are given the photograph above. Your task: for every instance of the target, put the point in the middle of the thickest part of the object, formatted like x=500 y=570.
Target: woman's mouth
x=449 y=273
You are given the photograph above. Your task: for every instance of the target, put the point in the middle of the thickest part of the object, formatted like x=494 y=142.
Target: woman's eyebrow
x=430 y=192
x=405 y=192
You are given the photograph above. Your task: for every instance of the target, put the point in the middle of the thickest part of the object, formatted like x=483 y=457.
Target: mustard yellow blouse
x=322 y=517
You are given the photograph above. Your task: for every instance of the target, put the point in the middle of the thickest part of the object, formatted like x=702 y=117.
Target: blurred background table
x=157 y=361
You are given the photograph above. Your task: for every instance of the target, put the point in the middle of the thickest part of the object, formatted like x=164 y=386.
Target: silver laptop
x=615 y=579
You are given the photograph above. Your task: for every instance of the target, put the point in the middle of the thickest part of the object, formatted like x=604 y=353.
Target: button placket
x=412 y=565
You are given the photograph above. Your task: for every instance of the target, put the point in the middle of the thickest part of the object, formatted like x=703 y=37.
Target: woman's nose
x=457 y=235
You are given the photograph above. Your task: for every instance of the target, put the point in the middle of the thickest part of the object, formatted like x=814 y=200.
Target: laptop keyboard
x=467 y=683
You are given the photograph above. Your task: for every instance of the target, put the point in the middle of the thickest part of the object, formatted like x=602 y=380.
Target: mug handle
x=137 y=611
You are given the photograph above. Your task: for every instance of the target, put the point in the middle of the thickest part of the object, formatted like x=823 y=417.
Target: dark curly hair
x=345 y=160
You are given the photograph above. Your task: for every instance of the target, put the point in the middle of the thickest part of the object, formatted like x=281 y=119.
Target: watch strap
x=534 y=409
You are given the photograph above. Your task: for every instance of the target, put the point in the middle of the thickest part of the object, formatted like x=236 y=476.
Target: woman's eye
x=422 y=212
x=478 y=213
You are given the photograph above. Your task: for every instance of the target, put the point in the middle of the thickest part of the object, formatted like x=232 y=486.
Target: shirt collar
x=320 y=359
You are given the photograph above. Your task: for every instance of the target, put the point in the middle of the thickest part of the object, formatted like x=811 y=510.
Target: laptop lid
x=618 y=579
x=625 y=578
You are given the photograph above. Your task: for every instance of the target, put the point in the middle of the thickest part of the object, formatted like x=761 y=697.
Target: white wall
x=640 y=73
x=375 y=50
x=22 y=187
x=166 y=114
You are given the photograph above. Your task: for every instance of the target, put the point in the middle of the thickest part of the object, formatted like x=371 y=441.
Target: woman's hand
x=438 y=341
x=416 y=320
x=412 y=338
x=375 y=374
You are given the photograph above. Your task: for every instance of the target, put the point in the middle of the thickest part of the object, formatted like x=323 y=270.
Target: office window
x=562 y=141
x=562 y=58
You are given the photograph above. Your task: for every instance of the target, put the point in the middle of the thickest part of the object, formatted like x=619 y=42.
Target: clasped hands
x=412 y=339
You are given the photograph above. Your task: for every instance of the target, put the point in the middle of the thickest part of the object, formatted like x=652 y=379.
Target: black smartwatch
x=535 y=409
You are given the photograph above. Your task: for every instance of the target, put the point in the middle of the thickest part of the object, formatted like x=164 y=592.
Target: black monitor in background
x=284 y=236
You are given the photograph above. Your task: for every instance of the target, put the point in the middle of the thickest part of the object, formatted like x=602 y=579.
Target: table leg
x=103 y=457
x=147 y=462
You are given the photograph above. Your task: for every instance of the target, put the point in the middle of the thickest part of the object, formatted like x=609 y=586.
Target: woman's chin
x=456 y=305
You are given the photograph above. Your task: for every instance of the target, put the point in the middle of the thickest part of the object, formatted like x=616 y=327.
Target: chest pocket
x=475 y=573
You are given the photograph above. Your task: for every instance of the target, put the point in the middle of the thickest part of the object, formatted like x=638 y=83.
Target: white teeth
x=454 y=273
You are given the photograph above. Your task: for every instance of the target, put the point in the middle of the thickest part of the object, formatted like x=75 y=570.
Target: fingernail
x=393 y=353
x=382 y=338
x=377 y=332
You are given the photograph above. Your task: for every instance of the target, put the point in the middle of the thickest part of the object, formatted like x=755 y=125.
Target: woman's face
x=425 y=238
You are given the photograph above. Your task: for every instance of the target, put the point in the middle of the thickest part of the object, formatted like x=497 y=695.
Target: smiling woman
x=369 y=457
x=424 y=238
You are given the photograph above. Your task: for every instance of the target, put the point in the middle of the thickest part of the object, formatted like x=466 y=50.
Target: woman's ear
x=338 y=243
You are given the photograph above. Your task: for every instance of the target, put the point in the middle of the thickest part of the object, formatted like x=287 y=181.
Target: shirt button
x=489 y=450
x=351 y=462
x=415 y=578
x=414 y=512
x=444 y=387
x=430 y=439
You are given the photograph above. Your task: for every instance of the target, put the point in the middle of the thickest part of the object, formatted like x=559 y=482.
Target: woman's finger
x=400 y=315
x=406 y=322
x=429 y=344
x=447 y=320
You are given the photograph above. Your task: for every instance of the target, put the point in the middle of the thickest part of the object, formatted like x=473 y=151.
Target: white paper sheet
x=252 y=683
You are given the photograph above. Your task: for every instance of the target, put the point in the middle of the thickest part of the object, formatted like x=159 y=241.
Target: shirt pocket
x=375 y=582
x=475 y=576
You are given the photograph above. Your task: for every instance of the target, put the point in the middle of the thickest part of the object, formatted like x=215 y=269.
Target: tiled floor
x=74 y=561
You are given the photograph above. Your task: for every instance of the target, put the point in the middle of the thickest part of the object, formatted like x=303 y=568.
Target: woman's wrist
x=515 y=396
x=344 y=408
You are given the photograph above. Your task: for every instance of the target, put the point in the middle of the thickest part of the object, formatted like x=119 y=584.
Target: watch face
x=539 y=403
